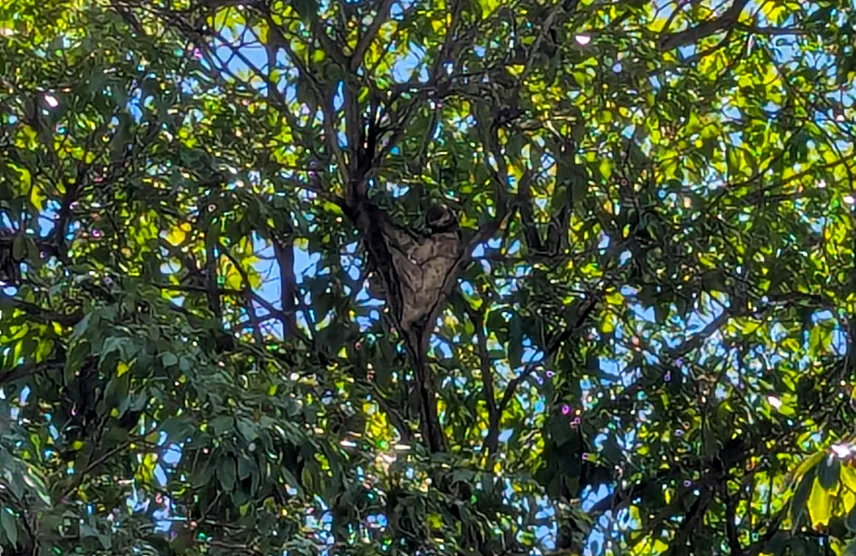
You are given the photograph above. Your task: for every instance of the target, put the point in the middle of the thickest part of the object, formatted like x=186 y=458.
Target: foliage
x=644 y=345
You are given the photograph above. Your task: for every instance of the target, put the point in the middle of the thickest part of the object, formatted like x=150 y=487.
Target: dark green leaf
x=10 y=527
x=828 y=472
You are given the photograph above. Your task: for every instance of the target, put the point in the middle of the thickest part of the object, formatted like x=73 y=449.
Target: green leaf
x=245 y=468
x=113 y=344
x=809 y=465
x=82 y=327
x=169 y=359
x=19 y=247
x=222 y=424
x=87 y=531
x=850 y=522
x=10 y=527
x=828 y=472
x=819 y=505
x=798 y=502
x=177 y=428
x=247 y=428
x=226 y=474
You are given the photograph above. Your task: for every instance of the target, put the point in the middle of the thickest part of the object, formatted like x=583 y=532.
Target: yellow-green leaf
x=609 y=323
x=819 y=505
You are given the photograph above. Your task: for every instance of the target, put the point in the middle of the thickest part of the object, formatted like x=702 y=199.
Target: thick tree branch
x=247 y=294
x=583 y=310
x=772 y=529
x=284 y=254
x=500 y=174
x=691 y=520
x=587 y=307
x=38 y=313
x=493 y=415
x=513 y=384
x=371 y=33
x=80 y=476
x=329 y=120
x=703 y=30
x=731 y=525
x=26 y=370
x=698 y=339
x=394 y=417
x=211 y=272
x=530 y=228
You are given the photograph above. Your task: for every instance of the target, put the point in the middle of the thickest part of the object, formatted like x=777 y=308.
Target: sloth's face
x=440 y=218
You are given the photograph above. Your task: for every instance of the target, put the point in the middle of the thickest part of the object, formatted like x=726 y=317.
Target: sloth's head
x=440 y=218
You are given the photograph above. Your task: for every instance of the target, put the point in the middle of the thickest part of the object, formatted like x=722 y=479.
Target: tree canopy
x=364 y=277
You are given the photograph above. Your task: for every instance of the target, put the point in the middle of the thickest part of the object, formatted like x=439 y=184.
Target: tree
x=452 y=277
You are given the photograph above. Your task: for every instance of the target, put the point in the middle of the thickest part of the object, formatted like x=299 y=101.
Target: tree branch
x=371 y=33
x=211 y=268
x=284 y=254
x=691 y=519
x=619 y=497
x=553 y=347
x=772 y=529
x=329 y=119
x=247 y=294
x=530 y=229
x=26 y=370
x=703 y=30
x=80 y=476
x=394 y=417
x=698 y=339
x=513 y=384
x=731 y=526
x=493 y=415
x=38 y=313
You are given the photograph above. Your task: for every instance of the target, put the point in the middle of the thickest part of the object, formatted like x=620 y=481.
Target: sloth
x=415 y=271
x=415 y=267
